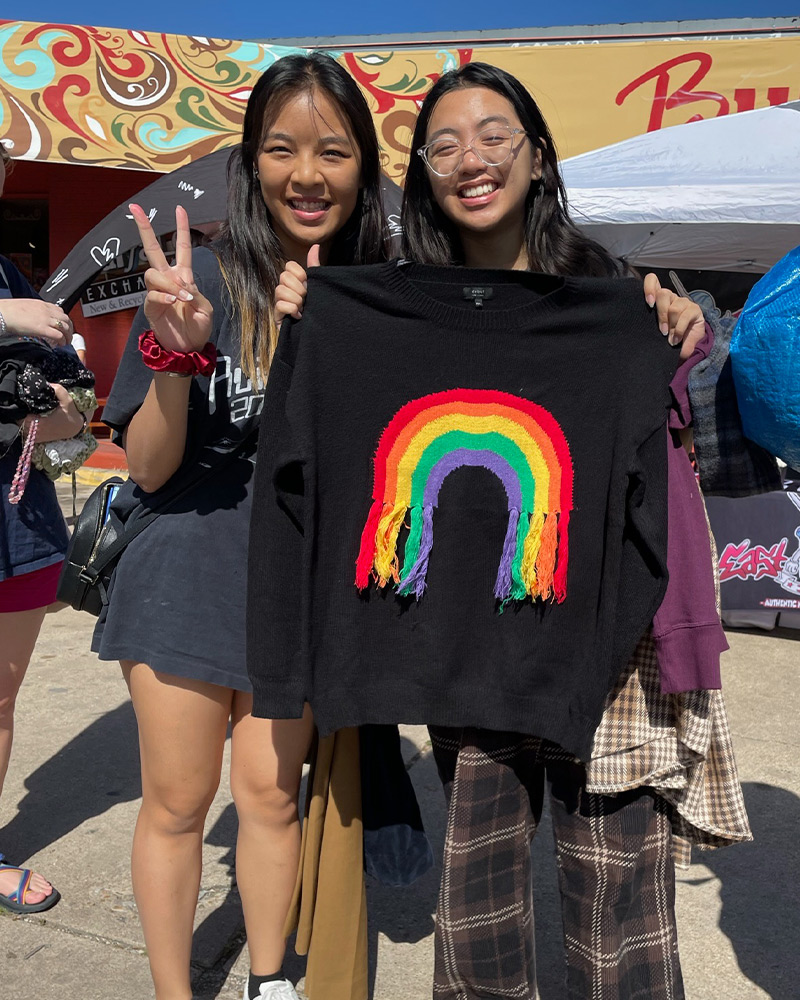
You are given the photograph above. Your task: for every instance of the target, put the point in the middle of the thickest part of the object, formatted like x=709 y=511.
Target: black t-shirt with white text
x=178 y=593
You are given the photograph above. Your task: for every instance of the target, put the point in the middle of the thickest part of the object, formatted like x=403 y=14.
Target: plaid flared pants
x=616 y=876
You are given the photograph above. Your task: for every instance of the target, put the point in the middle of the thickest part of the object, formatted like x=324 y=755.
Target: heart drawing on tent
x=106 y=253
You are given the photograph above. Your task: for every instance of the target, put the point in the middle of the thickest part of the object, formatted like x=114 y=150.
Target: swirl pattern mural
x=152 y=101
x=395 y=84
x=148 y=101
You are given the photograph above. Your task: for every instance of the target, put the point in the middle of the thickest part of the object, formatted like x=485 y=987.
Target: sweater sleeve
x=274 y=592
x=687 y=632
x=680 y=414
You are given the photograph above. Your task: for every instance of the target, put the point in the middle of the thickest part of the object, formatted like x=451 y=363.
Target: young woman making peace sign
x=305 y=174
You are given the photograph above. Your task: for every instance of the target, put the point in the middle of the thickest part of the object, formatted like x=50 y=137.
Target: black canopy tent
x=200 y=186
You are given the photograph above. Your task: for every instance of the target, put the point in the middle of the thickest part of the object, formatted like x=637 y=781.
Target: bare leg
x=182 y=726
x=266 y=766
x=19 y=631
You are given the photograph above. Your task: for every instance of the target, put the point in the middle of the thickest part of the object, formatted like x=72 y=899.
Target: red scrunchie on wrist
x=159 y=359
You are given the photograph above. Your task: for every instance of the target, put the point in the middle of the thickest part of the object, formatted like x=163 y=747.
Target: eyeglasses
x=492 y=146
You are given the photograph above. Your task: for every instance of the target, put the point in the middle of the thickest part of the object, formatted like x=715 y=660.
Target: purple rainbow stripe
x=467 y=456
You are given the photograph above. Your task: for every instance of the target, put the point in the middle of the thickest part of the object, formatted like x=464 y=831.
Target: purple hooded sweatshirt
x=687 y=631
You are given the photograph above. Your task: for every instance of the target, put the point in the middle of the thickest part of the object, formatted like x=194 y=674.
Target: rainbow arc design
x=427 y=439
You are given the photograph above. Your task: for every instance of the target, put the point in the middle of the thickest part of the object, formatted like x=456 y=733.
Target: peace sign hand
x=179 y=315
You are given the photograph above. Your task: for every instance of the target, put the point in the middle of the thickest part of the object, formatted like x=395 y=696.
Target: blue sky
x=282 y=19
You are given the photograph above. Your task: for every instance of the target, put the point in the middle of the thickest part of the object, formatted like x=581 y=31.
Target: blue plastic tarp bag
x=765 y=356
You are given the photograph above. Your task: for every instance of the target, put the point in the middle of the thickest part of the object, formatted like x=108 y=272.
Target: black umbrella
x=200 y=186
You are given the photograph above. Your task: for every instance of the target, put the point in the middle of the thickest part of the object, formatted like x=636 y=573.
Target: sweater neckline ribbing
x=400 y=277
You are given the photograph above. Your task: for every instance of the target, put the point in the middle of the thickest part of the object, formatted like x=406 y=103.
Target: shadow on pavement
x=90 y=774
x=218 y=941
x=406 y=915
x=760 y=891
x=221 y=936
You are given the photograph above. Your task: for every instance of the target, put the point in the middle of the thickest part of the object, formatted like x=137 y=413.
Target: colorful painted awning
x=143 y=100
x=123 y=98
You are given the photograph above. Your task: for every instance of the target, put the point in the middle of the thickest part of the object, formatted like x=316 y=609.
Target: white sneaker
x=280 y=989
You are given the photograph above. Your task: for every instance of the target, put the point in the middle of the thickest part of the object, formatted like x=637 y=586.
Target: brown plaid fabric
x=677 y=744
x=484 y=920
x=617 y=882
x=615 y=873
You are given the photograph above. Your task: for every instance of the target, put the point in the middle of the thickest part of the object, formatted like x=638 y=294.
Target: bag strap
x=20 y=480
x=93 y=569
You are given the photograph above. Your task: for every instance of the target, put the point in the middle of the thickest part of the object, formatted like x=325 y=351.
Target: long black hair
x=553 y=242
x=248 y=249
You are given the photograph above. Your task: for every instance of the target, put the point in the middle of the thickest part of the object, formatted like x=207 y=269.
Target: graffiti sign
x=758 y=540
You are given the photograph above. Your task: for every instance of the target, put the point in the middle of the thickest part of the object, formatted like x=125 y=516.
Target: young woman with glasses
x=483 y=190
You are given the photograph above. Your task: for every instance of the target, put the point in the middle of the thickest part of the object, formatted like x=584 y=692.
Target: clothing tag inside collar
x=478 y=293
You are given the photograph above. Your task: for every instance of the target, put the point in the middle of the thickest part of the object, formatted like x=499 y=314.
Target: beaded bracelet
x=187 y=363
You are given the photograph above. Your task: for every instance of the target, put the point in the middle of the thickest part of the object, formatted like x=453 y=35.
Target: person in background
x=33 y=540
x=79 y=346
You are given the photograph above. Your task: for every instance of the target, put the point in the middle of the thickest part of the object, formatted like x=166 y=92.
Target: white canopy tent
x=722 y=194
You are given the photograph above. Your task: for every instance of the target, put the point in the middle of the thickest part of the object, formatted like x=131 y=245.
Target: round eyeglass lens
x=492 y=145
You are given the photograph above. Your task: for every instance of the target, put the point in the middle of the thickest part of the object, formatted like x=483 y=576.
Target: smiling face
x=483 y=200
x=309 y=172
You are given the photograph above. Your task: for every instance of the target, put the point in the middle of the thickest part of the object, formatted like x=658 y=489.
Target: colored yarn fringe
x=546 y=558
x=414 y=581
x=386 y=543
x=502 y=587
x=530 y=551
x=533 y=563
x=366 y=554
x=560 y=576
x=518 y=591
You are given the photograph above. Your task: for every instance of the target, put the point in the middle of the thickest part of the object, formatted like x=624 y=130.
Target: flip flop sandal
x=15 y=901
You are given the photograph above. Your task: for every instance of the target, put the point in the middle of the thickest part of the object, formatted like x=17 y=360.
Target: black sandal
x=15 y=901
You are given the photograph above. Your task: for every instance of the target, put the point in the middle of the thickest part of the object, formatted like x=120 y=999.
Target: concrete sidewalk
x=71 y=799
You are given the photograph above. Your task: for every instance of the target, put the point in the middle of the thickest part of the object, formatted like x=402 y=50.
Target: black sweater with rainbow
x=460 y=503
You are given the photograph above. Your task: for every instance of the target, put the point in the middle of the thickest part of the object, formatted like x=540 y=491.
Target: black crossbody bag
x=109 y=521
